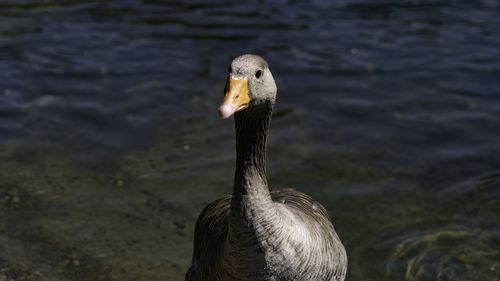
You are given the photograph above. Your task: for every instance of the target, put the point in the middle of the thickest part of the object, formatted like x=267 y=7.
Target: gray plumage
x=257 y=234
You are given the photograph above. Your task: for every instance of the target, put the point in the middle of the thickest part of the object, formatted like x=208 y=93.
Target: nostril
x=236 y=97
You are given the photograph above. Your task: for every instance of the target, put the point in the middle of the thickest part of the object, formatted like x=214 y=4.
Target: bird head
x=249 y=84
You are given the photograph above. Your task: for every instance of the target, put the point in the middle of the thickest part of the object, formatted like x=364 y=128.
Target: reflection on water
x=110 y=143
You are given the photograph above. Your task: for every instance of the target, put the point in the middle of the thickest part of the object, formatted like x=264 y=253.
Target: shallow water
x=388 y=114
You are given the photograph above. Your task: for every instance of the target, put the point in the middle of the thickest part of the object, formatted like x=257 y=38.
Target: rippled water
x=388 y=114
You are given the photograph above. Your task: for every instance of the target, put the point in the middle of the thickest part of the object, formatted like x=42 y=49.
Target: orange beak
x=235 y=98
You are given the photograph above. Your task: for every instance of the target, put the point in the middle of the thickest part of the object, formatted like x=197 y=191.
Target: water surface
x=110 y=144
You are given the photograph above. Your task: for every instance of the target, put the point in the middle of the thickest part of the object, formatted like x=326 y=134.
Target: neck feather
x=251 y=136
x=252 y=213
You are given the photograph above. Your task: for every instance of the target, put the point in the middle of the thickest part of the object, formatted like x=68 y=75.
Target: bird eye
x=230 y=69
x=258 y=74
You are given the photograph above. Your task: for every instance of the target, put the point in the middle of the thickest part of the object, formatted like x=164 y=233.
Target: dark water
x=110 y=145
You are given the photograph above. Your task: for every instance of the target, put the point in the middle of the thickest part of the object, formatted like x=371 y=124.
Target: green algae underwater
x=67 y=218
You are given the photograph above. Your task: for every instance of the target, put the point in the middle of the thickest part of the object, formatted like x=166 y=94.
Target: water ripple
x=444 y=252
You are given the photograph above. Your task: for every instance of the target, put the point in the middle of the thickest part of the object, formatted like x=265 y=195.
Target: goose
x=258 y=234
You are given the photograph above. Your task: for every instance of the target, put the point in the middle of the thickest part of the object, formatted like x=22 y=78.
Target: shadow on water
x=110 y=146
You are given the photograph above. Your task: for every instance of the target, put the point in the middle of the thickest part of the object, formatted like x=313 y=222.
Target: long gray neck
x=251 y=204
x=251 y=136
x=254 y=221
